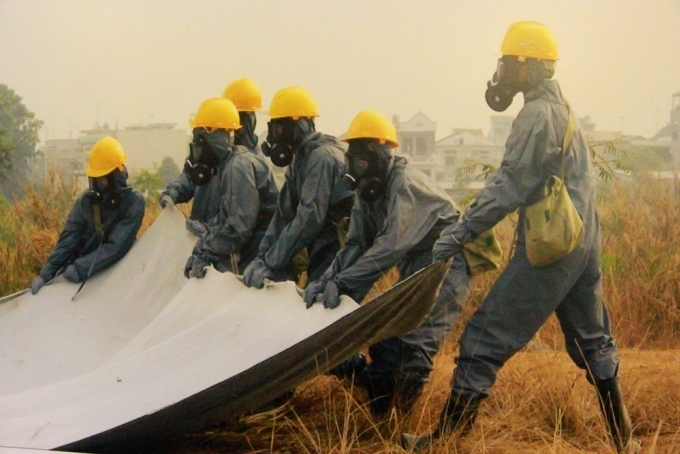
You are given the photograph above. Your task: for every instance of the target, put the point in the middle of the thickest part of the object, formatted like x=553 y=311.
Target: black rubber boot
x=380 y=391
x=458 y=415
x=406 y=394
x=616 y=415
x=350 y=367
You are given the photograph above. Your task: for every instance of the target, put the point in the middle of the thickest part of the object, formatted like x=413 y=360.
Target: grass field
x=541 y=403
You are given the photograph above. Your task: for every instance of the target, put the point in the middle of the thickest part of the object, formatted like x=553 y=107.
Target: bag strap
x=97 y=216
x=568 y=136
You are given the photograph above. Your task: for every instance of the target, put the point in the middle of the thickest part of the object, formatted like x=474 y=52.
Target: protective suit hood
x=314 y=140
x=246 y=135
x=548 y=90
x=220 y=142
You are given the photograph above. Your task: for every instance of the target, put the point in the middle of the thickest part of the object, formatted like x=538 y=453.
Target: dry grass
x=541 y=402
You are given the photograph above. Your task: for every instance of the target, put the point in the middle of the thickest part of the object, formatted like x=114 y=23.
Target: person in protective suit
x=397 y=216
x=524 y=296
x=313 y=199
x=242 y=190
x=247 y=97
x=103 y=223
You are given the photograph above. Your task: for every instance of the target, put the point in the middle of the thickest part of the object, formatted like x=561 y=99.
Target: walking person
x=524 y=296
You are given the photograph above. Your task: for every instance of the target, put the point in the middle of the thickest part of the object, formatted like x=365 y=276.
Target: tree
x=147 y=183
x=18 y=139
x=168 y=170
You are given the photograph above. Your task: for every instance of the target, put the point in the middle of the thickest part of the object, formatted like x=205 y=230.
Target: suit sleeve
x=409 y=219
x=531 y=150
x=69 y=241
x=310 y=214
x=234 y=224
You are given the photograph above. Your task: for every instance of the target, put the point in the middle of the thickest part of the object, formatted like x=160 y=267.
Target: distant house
x=64 y=156
x=145 y=145
x=463 y=147
x=416 y=137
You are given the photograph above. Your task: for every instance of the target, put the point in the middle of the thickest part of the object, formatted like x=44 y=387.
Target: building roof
x=464 y=138
x=666 y=132
x=418 y=123
x=477 y=131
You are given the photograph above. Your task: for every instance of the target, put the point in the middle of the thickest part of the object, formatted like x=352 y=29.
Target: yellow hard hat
x=294 y=102
x=245 y=94
x=530 y=39
x=216 y=113
x=106 y=156
x=370 y=124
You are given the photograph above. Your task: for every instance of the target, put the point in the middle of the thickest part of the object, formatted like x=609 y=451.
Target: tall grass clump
x=641 y=261
x=30 y=227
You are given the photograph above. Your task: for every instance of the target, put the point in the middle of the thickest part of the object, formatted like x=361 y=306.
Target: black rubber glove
x=313 y=291
x=36 y=284
x=331 y=295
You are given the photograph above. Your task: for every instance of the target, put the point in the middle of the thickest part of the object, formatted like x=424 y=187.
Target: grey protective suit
x=523 y=297
x=207 y=198
x=81 y=244
x=399 y=229
x=242 y=200
x=312 y=201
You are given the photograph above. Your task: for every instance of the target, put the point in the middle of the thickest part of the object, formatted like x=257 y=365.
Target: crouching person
x=397 y=216
x=242 y=193
x=313 y=199
x=103 y=223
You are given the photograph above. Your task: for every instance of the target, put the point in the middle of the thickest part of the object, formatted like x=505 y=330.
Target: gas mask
x=513 y=76
x=499 y=90
x=104 y=190
x=366 y=162
x=280 y=141
x=202 y=159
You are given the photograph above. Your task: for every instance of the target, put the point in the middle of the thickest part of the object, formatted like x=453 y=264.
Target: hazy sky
x=75 y=62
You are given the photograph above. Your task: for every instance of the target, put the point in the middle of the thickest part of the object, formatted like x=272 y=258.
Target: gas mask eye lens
x=361 y=165
x=99 y=184
x=500 y=70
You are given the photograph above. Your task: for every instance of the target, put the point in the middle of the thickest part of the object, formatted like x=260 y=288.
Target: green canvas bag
x=484 y=253
x=552 y=226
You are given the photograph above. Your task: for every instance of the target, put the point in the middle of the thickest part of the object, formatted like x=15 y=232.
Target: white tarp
x=141 y=347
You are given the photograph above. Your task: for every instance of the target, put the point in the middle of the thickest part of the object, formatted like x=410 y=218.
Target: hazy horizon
x=77 y=62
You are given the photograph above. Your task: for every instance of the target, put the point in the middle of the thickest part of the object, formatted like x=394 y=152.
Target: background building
x=146 y=145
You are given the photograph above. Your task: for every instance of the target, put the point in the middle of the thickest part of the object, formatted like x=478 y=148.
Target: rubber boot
x=458 y=415
x=350 y=367
x=380 y=391
x=406 y=394
x=616 y=415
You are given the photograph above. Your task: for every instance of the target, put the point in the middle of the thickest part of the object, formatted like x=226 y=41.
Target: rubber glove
x=36 y=284
x=165 y=200
x=197 y=228
x=313 y=291
x=71 y=273
x=188 y=266
x=331 y=295
x=258 y=271
x=446 y=247
x=198 y=267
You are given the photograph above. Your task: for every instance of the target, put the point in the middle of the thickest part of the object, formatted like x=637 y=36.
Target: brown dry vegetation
x=541 y=402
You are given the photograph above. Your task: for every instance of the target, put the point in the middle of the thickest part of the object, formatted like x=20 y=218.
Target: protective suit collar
x=314 y=140
x=549 y=90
